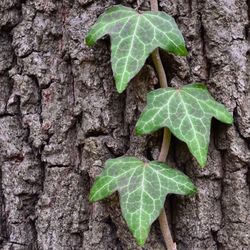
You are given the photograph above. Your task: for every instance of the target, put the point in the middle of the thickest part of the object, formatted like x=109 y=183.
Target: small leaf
x=142 y=188
x=187 y=112
x=133 y=37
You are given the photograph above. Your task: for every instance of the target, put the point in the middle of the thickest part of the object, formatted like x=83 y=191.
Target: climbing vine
x=185 y=112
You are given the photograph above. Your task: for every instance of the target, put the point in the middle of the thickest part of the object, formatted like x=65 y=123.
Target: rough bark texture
x=61 y=118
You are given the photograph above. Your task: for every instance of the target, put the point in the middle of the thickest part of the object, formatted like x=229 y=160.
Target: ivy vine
x=185 y=112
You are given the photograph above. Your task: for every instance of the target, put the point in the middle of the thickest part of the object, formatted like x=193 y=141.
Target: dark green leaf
x=142 y=188
x=133 y=37
x=187 y=112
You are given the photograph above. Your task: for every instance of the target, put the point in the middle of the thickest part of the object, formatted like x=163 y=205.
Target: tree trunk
x=61 y=118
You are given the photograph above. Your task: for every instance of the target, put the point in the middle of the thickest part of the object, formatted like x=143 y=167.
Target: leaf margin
x=141 y=241
x=228 y=120
x=180 y=50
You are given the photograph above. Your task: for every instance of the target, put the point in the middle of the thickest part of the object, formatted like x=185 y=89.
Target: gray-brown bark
x=61 y=118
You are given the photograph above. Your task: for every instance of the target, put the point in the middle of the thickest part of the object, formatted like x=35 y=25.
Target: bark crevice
x=61 y=119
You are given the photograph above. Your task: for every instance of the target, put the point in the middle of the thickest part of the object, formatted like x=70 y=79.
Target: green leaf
x=187 y=112
x=142 y=188
x=133 y=37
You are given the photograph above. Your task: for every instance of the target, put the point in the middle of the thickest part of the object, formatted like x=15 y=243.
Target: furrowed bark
x=61 y=118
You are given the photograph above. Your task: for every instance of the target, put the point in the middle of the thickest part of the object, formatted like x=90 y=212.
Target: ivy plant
x=142 y=188
x=186 y=112
x=133 y=37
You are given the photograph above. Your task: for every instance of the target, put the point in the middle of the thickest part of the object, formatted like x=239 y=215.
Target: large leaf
x=142 y=188
x=187 y=112
x=133 y=37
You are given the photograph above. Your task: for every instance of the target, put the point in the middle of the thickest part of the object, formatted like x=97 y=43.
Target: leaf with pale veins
x=187 y=112
x=142 y=188
x=133 y=37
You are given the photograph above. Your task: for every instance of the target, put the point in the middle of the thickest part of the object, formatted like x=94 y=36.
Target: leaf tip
x=199 y=85
x=194 y=191
x=140 y=243
x=201 y=159
x=138 y=130
x=141 y=237
x=91 y=197
x=89 y=41
x=119 y=90
x=121 y=85
x=202 y=163
x=185 y=52
x=230 y=119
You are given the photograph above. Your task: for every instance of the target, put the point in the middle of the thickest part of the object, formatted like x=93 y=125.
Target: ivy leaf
x=142 y=188
x=187 y=112
x=133 y=37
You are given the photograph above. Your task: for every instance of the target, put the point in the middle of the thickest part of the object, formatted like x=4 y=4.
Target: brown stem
x=159 y=68
x=138 y=5
x=166 y=231
x=165 y=145
x=154 y=5
x=165 y=141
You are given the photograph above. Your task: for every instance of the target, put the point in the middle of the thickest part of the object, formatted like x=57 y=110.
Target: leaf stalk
x=166 y=138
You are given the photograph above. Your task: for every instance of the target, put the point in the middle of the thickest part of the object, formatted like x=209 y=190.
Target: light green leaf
x=187 y=112
x=142 y=188
x=133 y=37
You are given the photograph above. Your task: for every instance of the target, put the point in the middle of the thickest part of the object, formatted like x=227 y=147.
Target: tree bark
x=61 y=118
